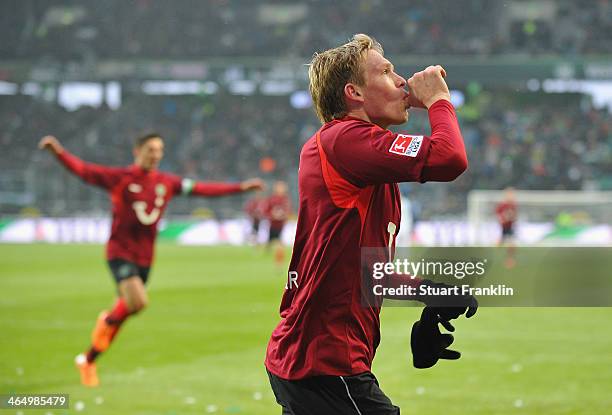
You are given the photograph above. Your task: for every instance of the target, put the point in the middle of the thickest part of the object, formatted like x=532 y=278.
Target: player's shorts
x=332 y=395
x=255 y=225
x=275 y=234
x=123 y=269
x=507 y=232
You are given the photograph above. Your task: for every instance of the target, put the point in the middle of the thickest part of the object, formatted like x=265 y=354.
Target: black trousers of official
x=332 y=395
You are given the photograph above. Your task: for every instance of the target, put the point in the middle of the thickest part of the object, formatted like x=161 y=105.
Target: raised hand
x=427 y=87
x=51 y=144
x=252 y=184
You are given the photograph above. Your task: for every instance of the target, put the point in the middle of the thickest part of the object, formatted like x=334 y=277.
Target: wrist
x=435 y=98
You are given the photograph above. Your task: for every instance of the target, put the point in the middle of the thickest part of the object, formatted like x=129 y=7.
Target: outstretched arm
x=95 y=174
x=218 y=188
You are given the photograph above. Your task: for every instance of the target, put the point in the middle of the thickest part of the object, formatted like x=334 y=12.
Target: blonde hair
x=331 y=70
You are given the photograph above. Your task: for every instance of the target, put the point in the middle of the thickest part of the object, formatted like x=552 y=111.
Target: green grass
x=202 y=340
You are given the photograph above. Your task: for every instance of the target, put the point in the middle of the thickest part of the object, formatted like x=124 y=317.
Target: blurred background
x=225 y=83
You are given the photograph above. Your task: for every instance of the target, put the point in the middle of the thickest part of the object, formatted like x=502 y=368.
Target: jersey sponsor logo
x=406 y=145
x=278 y=213
x=134 y=188
x=140 y=207
x=145 y=218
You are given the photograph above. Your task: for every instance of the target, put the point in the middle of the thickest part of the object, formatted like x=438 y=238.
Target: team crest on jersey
x=406 y=145
x=160 y=190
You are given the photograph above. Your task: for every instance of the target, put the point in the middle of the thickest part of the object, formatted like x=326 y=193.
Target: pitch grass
x=199 y=347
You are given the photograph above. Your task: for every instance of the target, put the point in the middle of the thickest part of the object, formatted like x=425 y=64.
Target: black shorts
x=332 y=395
x=507 y=231
x=122 y=269
x=275 y=234
x=255 y=225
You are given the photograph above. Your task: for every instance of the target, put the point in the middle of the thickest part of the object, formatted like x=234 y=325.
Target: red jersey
x=348 y=197
x=506 y=214
x=278 y=209
x=139 y=199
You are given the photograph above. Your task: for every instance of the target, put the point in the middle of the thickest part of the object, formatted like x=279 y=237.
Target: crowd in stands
x=194 y=29
x=546 y=142
x=527 y=141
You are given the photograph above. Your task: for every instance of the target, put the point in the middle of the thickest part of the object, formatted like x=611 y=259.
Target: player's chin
x=402 y=117
x=398 y=116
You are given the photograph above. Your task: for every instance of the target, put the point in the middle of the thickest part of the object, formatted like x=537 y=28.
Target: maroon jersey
x=139 y=199
x=278 y=208
x=256 y=208
x=349 y=199
x=506 y=214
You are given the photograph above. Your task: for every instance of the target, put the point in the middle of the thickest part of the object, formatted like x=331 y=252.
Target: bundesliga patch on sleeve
x=406 y=145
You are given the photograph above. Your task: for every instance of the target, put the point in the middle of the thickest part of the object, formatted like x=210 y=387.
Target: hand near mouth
x=429 y=85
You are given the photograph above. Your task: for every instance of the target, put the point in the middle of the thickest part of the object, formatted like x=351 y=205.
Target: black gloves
x=443 y=303
x=428 y=343
x=448 y=300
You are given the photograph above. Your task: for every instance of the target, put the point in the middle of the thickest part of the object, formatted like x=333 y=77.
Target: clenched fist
x=428 y=86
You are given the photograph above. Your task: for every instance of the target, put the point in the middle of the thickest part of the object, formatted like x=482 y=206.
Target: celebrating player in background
x=319 y=357
x=139 y=194
x=255 y=208
x=278 y=209
x=507 y=212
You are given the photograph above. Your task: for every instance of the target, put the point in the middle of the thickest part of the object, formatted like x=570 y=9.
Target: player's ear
x=353 y=92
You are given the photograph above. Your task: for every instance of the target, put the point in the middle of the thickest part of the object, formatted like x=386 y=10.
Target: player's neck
x=358 y=113
x=362 y=115
x=144 y=169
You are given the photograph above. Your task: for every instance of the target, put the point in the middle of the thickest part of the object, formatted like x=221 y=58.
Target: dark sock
x=92 y=354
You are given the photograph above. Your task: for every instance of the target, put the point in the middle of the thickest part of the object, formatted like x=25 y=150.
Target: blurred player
x=507 y=212
x=139 y=195
x=278 y=209
x=255 y=208
x=319 y=356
